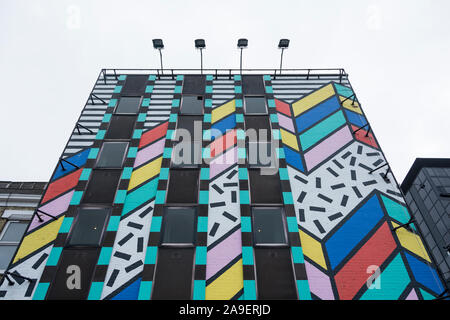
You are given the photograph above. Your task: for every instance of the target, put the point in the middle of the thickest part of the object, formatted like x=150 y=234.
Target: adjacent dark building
x=427 y=191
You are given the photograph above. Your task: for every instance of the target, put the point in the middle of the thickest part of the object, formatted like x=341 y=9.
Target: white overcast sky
x=396 y=53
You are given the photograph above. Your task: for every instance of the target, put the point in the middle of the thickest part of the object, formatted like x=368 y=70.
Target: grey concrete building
x=17 y=203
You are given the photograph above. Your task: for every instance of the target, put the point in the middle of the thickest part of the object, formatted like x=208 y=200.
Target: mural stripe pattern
x=224 y=255
x=293 y=235
x=248 y=261
x=200 y=267
x=128 y=253
x=145 y=287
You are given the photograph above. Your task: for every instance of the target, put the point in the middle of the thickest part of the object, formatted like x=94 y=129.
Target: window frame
x=192 y=114
x=4 y=243
x=134 y=116
x=255 y=96
x=186 y=166
x=252 y=165
x=167 y=207
x=101 y=149
x=115 y=111
x=75 y=221
x=265 y=204
x=91 y=176
x=182 y=204
x=181 y=116
x=284 y=226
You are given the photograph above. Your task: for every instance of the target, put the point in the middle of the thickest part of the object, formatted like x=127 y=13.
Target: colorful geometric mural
x=349 y=229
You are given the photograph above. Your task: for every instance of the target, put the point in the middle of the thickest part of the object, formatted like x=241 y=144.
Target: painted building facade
x=121 y=219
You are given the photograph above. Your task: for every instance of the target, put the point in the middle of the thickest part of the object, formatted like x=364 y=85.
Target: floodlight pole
x=160 y=56
x=281 y=62
x=201 y=61
x=240 y=68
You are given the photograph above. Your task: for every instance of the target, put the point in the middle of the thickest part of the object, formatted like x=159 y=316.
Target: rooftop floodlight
x=283 y=44
x=200 y=44
x=242 y=44
x=159 y=45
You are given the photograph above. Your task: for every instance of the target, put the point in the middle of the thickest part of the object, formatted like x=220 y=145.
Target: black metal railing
x=308 y=73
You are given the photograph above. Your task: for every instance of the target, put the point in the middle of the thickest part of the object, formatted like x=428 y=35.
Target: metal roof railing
x=307 y=73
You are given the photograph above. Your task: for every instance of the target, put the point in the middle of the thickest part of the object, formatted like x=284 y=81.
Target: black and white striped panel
x=223 y=90
x=160 y=102
x=92 y=115
x=291 y=88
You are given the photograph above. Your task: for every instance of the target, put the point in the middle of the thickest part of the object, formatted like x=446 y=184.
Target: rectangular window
x=9 y=240
x=261 y=125
x=268 y=226
x=264 y=188
x=253 y=84
x=179 y=226
x=192 y=105
x=128 y=105
x=102 y=186
x=189 y=128
x=120 y=127
x=187 y=155
x=255 y=105
x=74 y=264
x=194 y=84
x=183 y=186
x=275 y=274
x=134 y=85
x=260 y=154
x=174 y=274
x=112 y=155
x=89 y=226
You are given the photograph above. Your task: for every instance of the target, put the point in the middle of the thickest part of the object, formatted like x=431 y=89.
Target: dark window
x=73 y=264
x=262 y=126
x=134 y=85
x=173 y=274
x=89 y=226
x=190 y=123
x=102 y=186
x=192 y=105
x=255 y=105
x=128 y=105
x=120 y=127
x=268 y=226
x=183 y=186
x=252 y=84
x=179 y=225
x=274 y=274
x=264 y=188
x=112 y=155
x=194 y=84
x=260 y=154
x=187 y=154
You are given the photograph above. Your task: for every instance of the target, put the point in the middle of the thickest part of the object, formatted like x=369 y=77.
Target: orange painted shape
x=361 y=136
x=355 y=273
x=223 y=143
x=153 y=134
x=62 y=185
x=283 y=107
